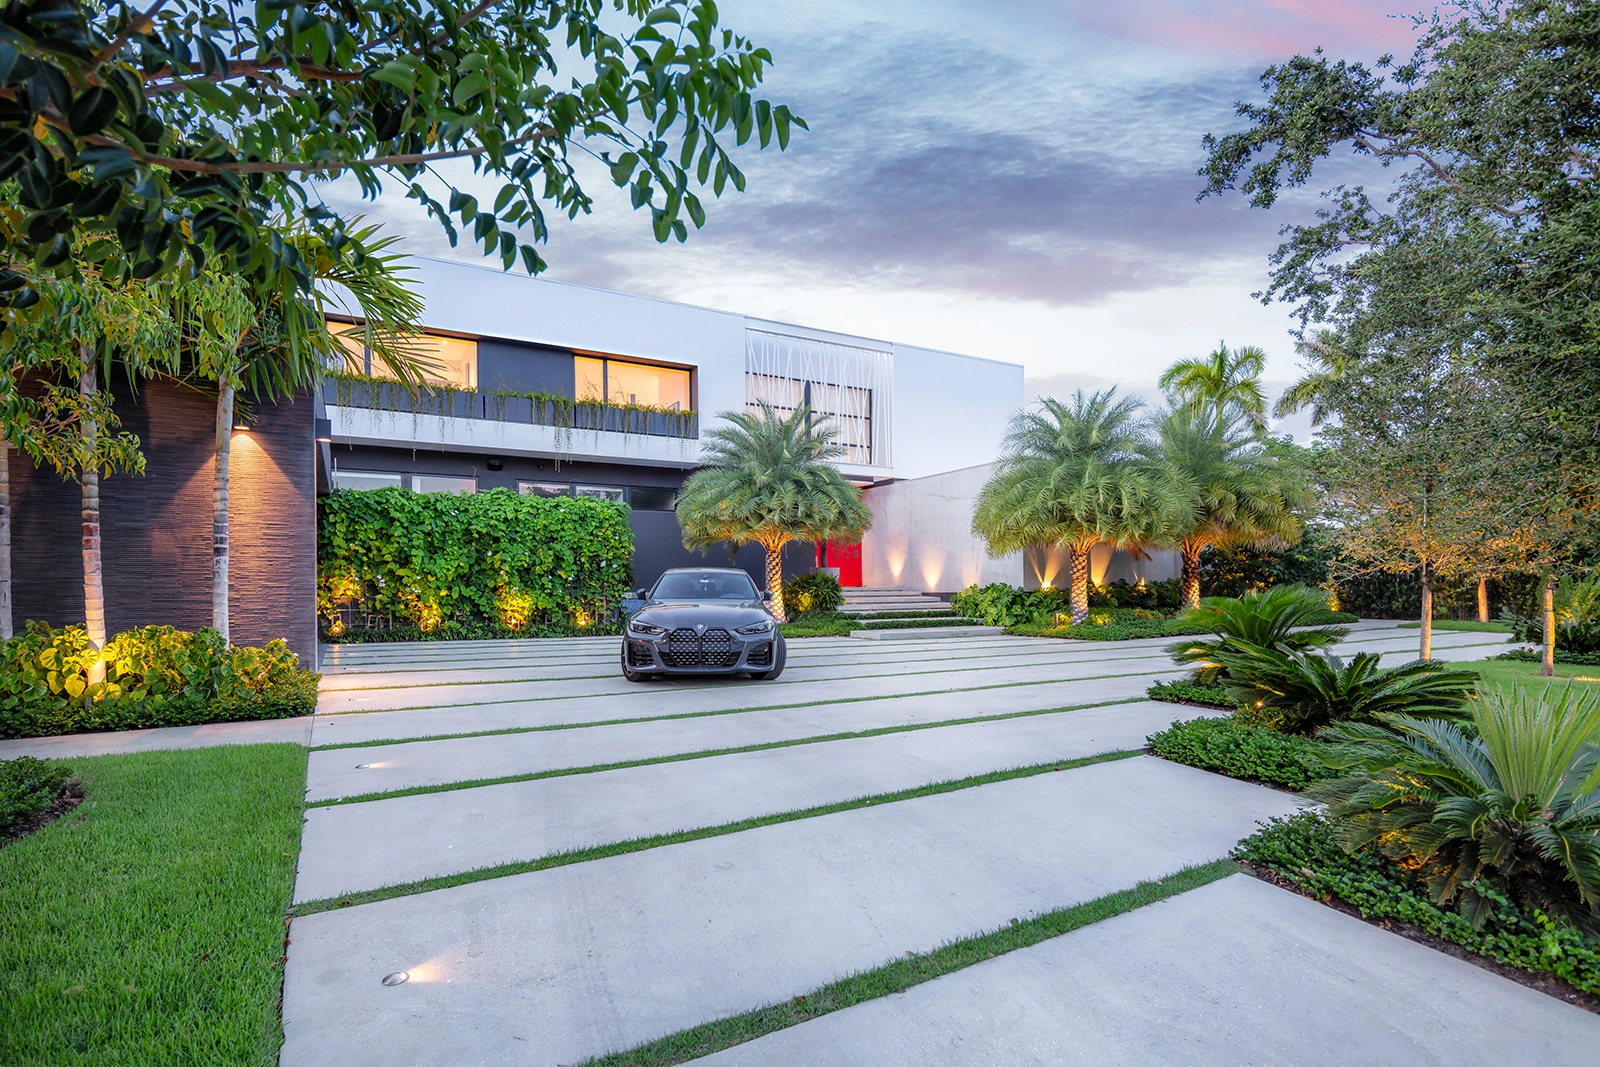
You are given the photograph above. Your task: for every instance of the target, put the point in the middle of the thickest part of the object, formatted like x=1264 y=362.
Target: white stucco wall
x=950 y=411
x=921 y=536
x=1047 y=565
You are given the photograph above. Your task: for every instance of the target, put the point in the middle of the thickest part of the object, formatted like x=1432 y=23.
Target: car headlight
x=646 y=628
x=762 y=627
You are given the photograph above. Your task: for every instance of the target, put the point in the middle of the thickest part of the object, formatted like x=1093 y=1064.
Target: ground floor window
x=544 y=489
x=364 y=479
x=651 y=498
x=441 y=483
x=600 y=492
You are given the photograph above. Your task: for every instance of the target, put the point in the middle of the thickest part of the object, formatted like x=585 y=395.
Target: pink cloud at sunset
x=1267 y=28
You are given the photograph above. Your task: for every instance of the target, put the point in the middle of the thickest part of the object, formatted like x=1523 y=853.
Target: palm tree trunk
x=1080 y=585
x=1191 y=576
x=94 y=596
x=5 y=542
x=219 y=511
x=1426 y=651
x=1549 y=667
x=1483 y=598
x=775 y=580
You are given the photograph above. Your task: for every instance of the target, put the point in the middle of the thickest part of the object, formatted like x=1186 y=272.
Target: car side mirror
x=642 y=594
x=766 y=596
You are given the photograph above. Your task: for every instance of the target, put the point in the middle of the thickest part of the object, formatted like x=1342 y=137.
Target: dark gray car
x=702 y=620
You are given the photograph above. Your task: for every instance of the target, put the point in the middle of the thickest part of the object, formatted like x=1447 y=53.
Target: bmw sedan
x=702 y=620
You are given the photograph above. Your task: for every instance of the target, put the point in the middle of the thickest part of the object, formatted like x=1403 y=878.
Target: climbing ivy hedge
x=440 y=565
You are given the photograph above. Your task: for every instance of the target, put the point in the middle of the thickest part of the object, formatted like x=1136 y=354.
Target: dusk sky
x=1012 y=179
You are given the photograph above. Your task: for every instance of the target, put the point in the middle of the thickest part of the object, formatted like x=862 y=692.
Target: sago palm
x=1277 y=618
x=1229 y=380
x=767 y=480
x=1072 y=475
x=1513 y=803
x=1230 y=490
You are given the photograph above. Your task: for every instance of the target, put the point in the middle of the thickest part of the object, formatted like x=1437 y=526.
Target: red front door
x=847 y=558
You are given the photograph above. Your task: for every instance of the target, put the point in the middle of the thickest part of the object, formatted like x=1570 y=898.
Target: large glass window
x=449 y=360
x=651 y=498
x=364 y=480
x=544 y=488
x=442 y=483
x=600 y=492
x=616 y=381
x=846 y=409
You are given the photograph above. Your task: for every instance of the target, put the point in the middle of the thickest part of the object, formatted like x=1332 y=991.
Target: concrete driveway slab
x=551 y=967
x=1236 y=973
x=352 y=847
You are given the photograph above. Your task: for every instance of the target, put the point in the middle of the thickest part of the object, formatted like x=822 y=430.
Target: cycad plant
x=1302 y=692
x=767 y=479
x=1229 y=488
x=1266 y=620
x=1072 y=475
x=1512 y=803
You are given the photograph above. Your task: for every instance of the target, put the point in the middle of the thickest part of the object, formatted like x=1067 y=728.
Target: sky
x=1013 y=179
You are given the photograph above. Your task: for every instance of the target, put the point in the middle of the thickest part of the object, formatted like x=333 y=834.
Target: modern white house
x=555 y=388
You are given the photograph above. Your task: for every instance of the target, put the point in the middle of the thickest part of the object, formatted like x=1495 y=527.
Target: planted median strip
x=641 y=844
x=899 y=975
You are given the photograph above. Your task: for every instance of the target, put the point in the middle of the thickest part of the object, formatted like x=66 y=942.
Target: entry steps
x=876 y=599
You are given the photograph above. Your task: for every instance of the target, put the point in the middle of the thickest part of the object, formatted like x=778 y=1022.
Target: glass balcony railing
x=535 y=409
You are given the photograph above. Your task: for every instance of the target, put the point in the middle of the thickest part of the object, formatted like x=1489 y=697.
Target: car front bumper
x=687 y=651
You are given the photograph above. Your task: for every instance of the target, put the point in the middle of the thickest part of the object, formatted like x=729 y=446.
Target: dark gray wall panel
x=513 y=368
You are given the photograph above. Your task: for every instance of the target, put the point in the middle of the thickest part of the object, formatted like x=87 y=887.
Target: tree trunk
x=1426 y=651
x=1483 y=598
x=94 y=596
x=219 y=511
x=5 y=542
x=775 y=580
x=1080 y=585
x=1191 y=577
x=1549 y=667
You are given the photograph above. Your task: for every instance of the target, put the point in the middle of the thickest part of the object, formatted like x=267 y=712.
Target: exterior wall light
x=325 y=431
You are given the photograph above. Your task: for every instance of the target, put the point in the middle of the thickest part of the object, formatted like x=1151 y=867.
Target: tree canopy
x=194 y=130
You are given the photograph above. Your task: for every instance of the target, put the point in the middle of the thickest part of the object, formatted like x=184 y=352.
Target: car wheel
x=780 y=655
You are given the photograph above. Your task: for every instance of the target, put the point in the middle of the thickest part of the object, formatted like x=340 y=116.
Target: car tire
x=780 y=655
x=628 y=673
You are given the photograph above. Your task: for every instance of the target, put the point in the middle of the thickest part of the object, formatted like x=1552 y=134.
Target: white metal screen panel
x=853 y=388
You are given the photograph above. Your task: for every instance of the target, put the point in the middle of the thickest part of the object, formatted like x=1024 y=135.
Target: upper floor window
x=849 y=387
x=615 y=381
x=449 y=361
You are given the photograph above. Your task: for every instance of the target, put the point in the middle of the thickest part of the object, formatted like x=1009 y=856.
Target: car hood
x=728 y=614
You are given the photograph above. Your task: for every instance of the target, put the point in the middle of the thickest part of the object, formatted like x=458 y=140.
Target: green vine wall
x=470 y=565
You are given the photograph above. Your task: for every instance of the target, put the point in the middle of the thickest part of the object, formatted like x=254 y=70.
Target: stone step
x=923 y=633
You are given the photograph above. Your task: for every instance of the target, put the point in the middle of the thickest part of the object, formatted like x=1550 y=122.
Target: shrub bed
x=1301 y=851
x=820 y=624
x=1130 y=630
x=451 y=566
x=1241 y=750
x=157 y=676
x=28 y=788
x=813 y=592
x=1576 y=659
x=1211 y=696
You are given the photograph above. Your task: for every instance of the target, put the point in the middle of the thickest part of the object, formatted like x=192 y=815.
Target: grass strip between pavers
x=899 y=975
x=382 y=741
x=703 y=753
x=641 y=844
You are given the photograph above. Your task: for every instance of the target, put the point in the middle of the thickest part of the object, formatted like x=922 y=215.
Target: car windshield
x=704 y=585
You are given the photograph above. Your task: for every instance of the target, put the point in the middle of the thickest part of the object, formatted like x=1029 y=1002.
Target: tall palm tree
x=1232 y=490
x=767 y=479
x=1071 y=475
x=1326 y=363
x=274 y=344
x=1226 y=379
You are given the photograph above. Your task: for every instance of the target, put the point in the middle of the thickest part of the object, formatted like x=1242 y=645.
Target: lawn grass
x=899 y=975
x=1506 y=673
x=147 y=926
x=1472 y=625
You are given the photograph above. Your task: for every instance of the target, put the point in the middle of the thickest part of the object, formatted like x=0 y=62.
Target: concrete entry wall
x=921 y=536
x=1046 y=565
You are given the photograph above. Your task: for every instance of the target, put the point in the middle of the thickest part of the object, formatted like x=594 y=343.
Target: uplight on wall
x=325 y=431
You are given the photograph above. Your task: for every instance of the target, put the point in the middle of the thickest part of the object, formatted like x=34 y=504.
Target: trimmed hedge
x=1241 y=750
x=452 y=565
x=1575 y=659
x=1212 y=696
x=28 y=787
x=1301 y=850
x=157 y=676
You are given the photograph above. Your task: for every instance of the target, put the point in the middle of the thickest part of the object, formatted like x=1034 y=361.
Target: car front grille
x=685 y=648
x=760 y=657
x=639 y=654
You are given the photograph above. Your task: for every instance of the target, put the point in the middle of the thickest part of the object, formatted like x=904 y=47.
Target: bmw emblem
x=700 y=628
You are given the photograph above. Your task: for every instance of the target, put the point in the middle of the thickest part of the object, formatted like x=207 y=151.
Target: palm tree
x=275 y=344
x=1326 y=365
x=1233 y=492
x=1225 y=379
x=767 y=479
x=1071 y=475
